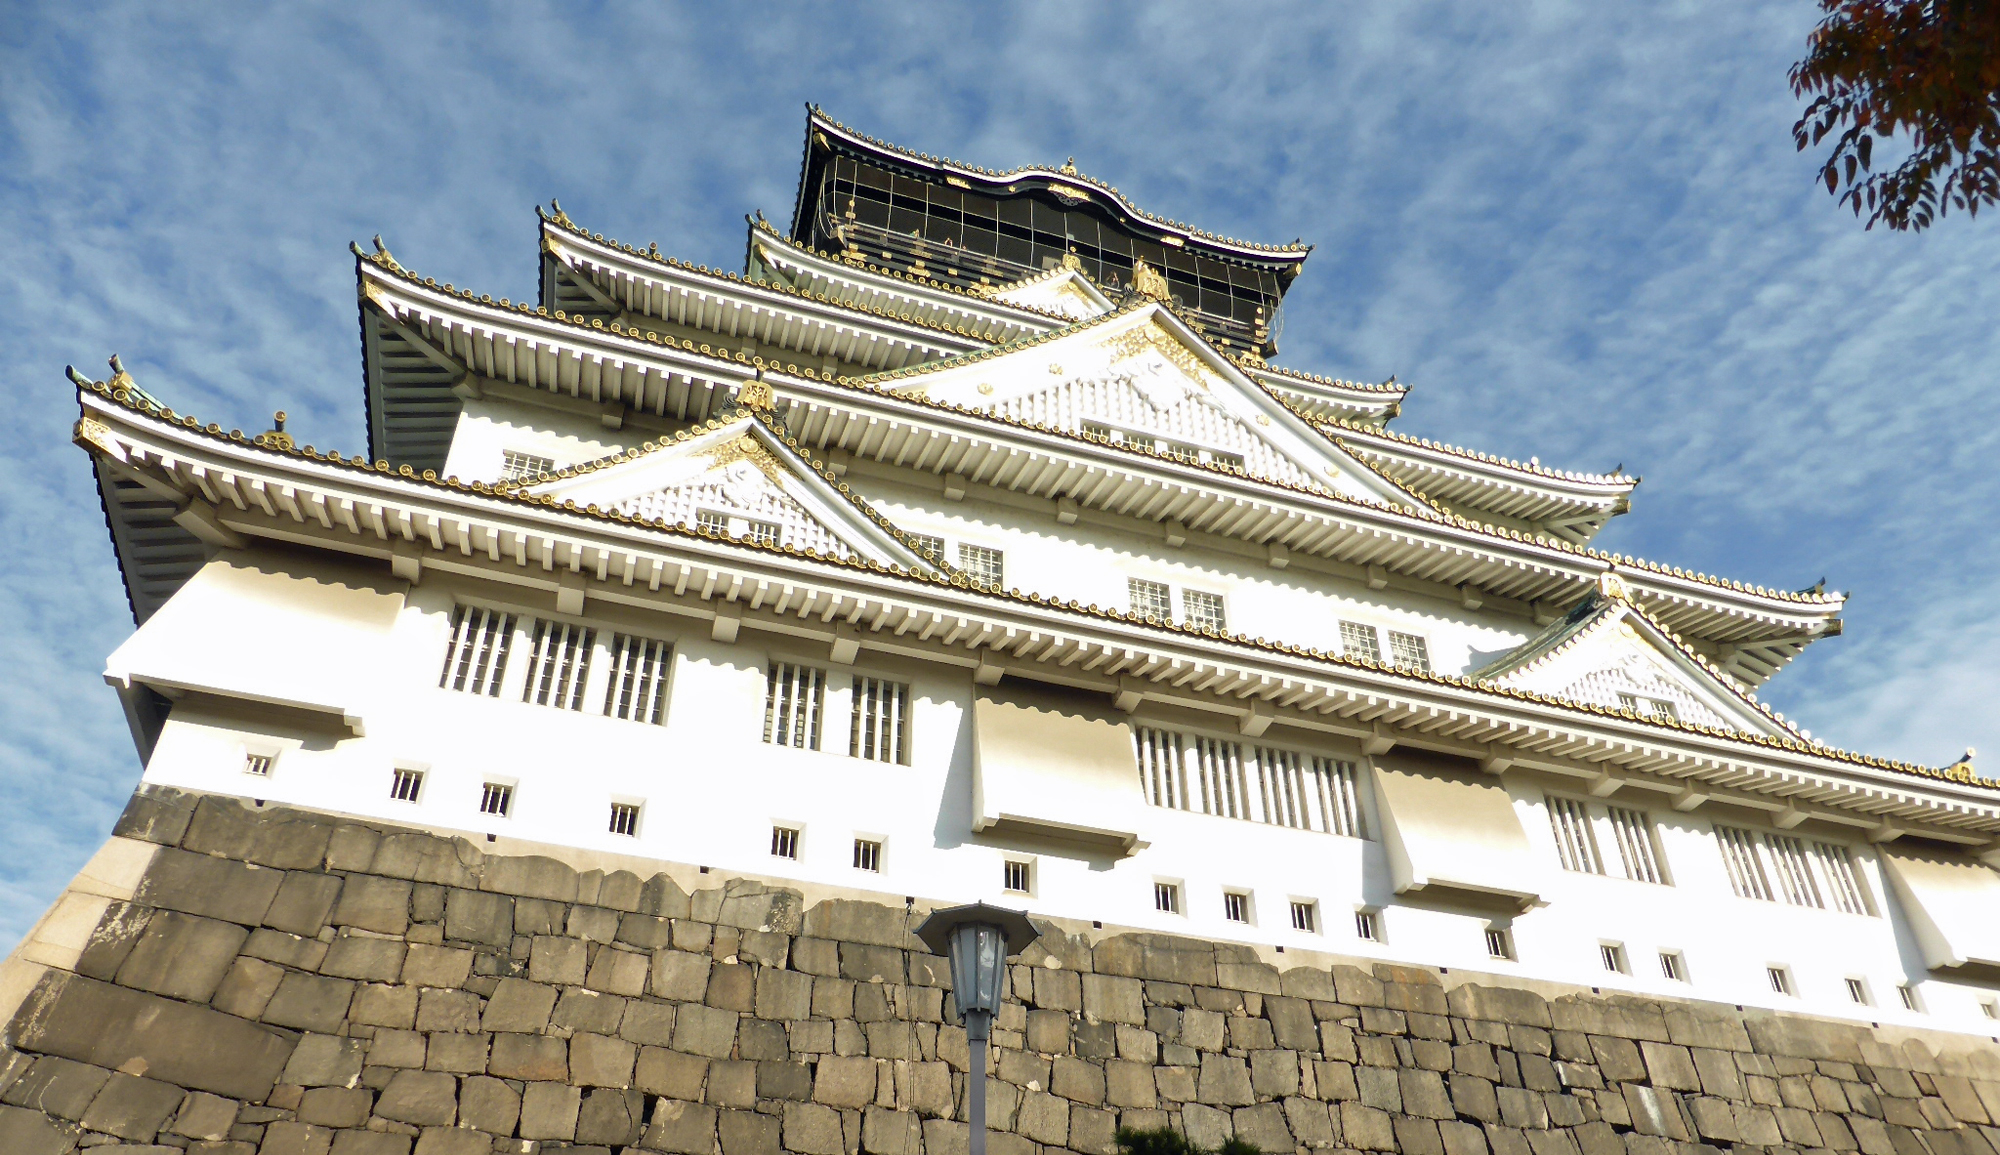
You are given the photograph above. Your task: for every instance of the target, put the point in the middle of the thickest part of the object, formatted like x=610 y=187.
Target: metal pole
x=976 y=1031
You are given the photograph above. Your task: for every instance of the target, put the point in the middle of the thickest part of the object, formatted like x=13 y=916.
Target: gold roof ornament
x=1068 y=167
x=756 y=394
x=1148 y=280
x=1072 y=262
x=1613 y=586
x=276 y=438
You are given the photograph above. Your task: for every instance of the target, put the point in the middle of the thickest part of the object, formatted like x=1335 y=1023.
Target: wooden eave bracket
x=201 y=519
x=436 y=356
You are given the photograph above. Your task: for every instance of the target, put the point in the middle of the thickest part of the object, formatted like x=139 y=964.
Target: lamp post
x=977 y=939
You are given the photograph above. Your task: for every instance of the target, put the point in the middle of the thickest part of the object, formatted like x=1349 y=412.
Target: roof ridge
x=1475 y=454
x=125 y=399
x=897 y=275
x=1261 y=365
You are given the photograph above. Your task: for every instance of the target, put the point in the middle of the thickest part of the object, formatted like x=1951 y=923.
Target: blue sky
x=1579 y=230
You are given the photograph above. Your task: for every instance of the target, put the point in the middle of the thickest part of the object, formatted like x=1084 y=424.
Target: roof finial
x=1147 y=280
x=276 y=438
x=560 y=217
x=382 y=251
x=1069 y=167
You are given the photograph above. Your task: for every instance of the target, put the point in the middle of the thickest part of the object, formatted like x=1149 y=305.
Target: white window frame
x=1281 y=786
x=1639 y=848
x=478 y=642
x=1369 y=925
x=520 y=465
x=1674 y=966
x=878 y=852
x=794 y=705
x=1612 y=957
x=559 y=663
x=1418 y=644
x=1170 y=889
x=1778 y=976
x=510 y=791
x=1360 y=640
x=788 y=836
x=1026 y=866
x=1858 y=990
x=1500 y=943
x=878 y=727
x=1912 y=999
x=418 y=776
x=1240 y=902
x=974 y=560
x=635 y=807
x=638 y=677
x=1310 y=908
x=1213 y=616
x=1575 y=834
x=1148 y=599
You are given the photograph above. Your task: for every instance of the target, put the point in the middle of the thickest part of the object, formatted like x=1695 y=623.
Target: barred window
x=930 y=547
x=1838 y=866
x=515 y=465
x=1151 y=599
x=709 y=521
x=784 y=842
x=880 y=726
x=1218 y=769
x=1788 y=860
x=1203 y=609
x=1367 y=926
x=1016 y=876
x=1673 y=967
x=1305 y=916
x=406 y=785
x=1308 y=793
x=1857 y=991
x=476 y=659
x=1612 y=955
x=1908 y=994
x=1167 y=897
x=1781 y=980
x=1161 y=771
x=1740 y=859
x=983 y=565
x=1360 y=641
x=794 y=697
x=763 y=532
x=868 y=855
x=496 y=798
x=638 y=689
x=259 y=764
x=1636 y=847
x=1576 y=842
x=625 y=819
x=1499 y=942
x=1235 y=907
x=559 y=665
x=1409 y=652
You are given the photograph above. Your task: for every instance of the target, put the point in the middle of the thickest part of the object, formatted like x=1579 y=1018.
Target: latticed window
x=638 y=689
x=1837 y=865
x=930 y=547
x=1576 y=842
x=1360 y=641
x=1635 y=844
x=1203 y=609
x=496 y=798
x=559 y=665
x=515 y=465
x=625 y=819
x=880 y=726
x=1218 y=773
x=1409 y=652
x=1740 y=859
x=1151 y=599
x=476 y=659
x=709 y=521
x=1788 y=862
x=763 y=532
x=794 y=698
x=406 y=785
x=1308 y=793
x=1161 y=773
x=983 y=565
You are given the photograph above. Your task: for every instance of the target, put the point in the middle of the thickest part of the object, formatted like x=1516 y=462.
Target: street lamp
x=977 y=939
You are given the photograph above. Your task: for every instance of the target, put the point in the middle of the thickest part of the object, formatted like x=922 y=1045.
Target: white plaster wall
x=487 y=428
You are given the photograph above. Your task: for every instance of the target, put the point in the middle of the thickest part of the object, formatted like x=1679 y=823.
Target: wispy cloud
x=1579 y=229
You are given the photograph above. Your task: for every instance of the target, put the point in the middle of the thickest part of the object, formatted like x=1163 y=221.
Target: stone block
x=1698 y=1027
x=1417 y=1136
x=530 y=876
x=1309 y=983
x=669 y=1073
x=363 y=957
x=1057 y=990
x=382 y=1005
x=436 y=966
x=1550 y=1143
x=1160 y=958
x=747 y=1133
x=662 y=896
x=1206 y=1127
x=871 y=964
x=1114 y=999
x=618 y=972
x=611 y=1117
x=303 y=903
x=1335 y=1081
x=211 y=887
x=647 y=1023
x=378 y=904
x=1466 y=1139
x=155 y=814
x=1656 y=1112
x=247 y=989
x=309 y=1003
x=732 y=1083
x=325 y=1061
x=1225 y=1082
x=1670 y=1066
x=1598 y=1016
x=1473 y=1097
x=488 y=1104
x=847 y=920
x=534 y=1058
x=1521 y=1108
x=1379 y=1087
x=1364 y=1128
x=518 y=1007
x=793 y=1081
x=288 y=1138
x=112 y=940
x=25 y=1132
x=592 y=924
x=392 y=1048
x=833 y=998
x=809 y=1129
x=1713 y=1119
x=887 y=1132
x=60 y=1087
x=286 y=950
x=707 y=1031
x=1424 y=1094
x=108 y=1026
x=1618 y=1059
x=1274 y=1074
x=422 y=1098
x=132 y=1107
x=443 y=1010
x=600 y=1061
x=783 y=994
x=336 y=1106
x=684 y=1128
x=204 y=1117
x=1043 y=1118
x=1718 y=1072
x=555 y=959
x=1078 y=1080
x=456 y=1053
x=1292 y=1024
x=549 y=1111
x=845 y=1081
x=681 y=976
x=479 y=917
x=645 y=931
x=369 y=1143
x=285 y=839
x=452 y=1141
x=1264 y=1127
x=428 y=858
x=1499 y=1004
x=582 y=1010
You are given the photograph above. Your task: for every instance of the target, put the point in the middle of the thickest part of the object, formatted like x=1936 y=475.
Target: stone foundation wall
x=230 y=980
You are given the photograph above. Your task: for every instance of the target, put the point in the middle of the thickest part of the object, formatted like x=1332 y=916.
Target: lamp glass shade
x=978 y=967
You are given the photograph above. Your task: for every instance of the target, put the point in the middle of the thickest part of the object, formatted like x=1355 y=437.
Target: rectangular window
x=880 y=725
x=1308 y=793
x=559 y=665
x=1339 y=792
x=638 y=689
x=405 y=785
x=1367 y=926
x=476 y=659
x=1635 y=845
x=1788 y=858
x=1673 y=966
x=1016 y=877
x=1153 y=600
x=515 y=465
x=1235 y=907
x=1740 y=859
x=1612 y=955
x=763 y=532
x=1167 y=897
x=930 y=547
x=258 y=764
x=784 y=842
x=496 y=798
x=709 y=521
x=1499 y=942
x=1781 y=980
x=1908 y=994
x=793 y=700
x=1857 y=990
x=1203 y=610
x=1161 y=774
x=1837 y=866
x=1576 y=842
x=867 y=855
x=1218 y=772
x=1360 y=641
x=1305 y=917
x=1990 y=1009
x=625 y=819
x=986 y=566
x=1409 y=652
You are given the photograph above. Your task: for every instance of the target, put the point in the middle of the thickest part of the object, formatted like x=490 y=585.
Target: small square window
x=1409 y=652
x=1499 y=943
x=1612 y=955
x=1857 y=991
x=986 y=566
x=496 y=798
x=1360 y=641
x=1153 y=600
x=625 y=819
x=1367 y=926
x=406 y=785
x=1016 y=877
x=1990 y=1009
x=1673 y=966
x=784 y=842
x=868 y=855
x=1167 y=897
x=515 y=465
x=259 y=764
x=1908 y=994
x=1236 y=907
x=709 y=521
x=1305 y=916
x=1204 y=609
x=1781 y=980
